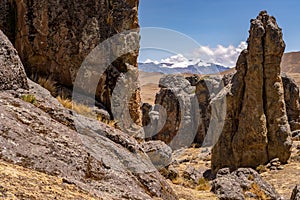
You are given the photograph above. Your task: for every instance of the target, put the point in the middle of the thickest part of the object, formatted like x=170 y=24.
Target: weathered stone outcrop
x=181 y=116
x=101 y=160
x=159 y=153
x=206 y=89
x=54 y=37
x=242 y=184
x=12 y=74
x=256 y=128
x=291 y=97
x=190 y=95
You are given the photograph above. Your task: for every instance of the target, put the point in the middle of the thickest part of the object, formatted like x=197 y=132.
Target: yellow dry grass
x=85 y=110
x=21 y=183
x=48 y=84
x=81 y=109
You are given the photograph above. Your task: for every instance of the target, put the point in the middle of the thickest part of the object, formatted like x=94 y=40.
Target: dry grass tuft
x=49 y=85
x=255 y=189
x=79 y=108
x=84 y=110
x=111 y=123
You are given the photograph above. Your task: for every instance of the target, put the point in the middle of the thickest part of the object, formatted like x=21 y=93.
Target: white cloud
x=226 y=56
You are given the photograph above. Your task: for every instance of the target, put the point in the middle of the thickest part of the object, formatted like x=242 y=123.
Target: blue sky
x=220 y=22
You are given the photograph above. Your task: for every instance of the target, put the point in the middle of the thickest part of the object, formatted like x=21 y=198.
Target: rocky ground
x=22 y=183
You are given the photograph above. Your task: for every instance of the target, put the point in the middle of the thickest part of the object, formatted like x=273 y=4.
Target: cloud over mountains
x=205 y=56
x=225 y=56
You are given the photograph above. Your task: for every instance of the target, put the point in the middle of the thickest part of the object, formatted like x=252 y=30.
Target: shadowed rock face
x=181 y=115
x=54 y=38
x=291 y=97
x=46 y=137
x=12 y=74
x=256 y=127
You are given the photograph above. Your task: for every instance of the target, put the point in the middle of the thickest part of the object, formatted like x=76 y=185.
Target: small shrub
x=49 y=85
x=29 y=98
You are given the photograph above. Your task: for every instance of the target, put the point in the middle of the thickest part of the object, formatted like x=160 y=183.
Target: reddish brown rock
x=256 y=128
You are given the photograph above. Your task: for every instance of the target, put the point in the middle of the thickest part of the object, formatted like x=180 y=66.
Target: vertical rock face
x=181 y=118
x=291 y=96
x=12 y=74
x=256 y=127
x=54 y=37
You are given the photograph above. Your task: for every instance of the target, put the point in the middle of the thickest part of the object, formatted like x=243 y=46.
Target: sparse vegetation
x=79 y=108
x=85 y=111
x=49 y=85
x=29 y=98
x=203 y=185
x=184 y=182
x=261 y=169
x=111 y=123
x=255 y=189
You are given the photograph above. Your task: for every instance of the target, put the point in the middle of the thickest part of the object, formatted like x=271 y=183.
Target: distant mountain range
x=180 y=65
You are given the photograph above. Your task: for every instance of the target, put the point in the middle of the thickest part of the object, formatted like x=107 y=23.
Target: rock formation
x=180 y=120
x=12 y=74
x=296 y=193
x=54 y=37
x=159 y=153
x=291 y=97
x=256 y=128
x=43 y=136
x=242 y=184
x=175 y=93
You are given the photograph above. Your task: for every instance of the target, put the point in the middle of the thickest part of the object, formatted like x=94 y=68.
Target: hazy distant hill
x=291 y=65
x=291 y=62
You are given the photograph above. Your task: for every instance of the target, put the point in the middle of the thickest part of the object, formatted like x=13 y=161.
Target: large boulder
x=53 y=39
x=103 y=161
x=256 y=128
x=242 y=184
x=179 y=123
x=12 y=74
x=159 y=153
x=291 y=97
